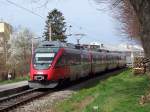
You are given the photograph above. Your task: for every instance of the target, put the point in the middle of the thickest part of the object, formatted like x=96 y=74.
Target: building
x=131 y=51
x=96 y=45
x=5 y=33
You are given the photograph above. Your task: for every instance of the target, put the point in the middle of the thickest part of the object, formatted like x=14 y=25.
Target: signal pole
x=78 y=41
x=80 y=36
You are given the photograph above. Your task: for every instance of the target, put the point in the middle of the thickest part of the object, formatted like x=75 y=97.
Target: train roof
x=59 y=44
x=48 y=44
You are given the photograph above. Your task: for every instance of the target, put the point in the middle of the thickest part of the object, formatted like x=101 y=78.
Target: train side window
x=69 y=59
x=72 y=59
x=61 y=61
x=84 y=58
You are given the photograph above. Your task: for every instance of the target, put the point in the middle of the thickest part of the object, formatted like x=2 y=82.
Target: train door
x=85 y=62
x=74 y=64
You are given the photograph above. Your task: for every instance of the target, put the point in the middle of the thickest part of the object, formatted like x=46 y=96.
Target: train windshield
x=43 y=60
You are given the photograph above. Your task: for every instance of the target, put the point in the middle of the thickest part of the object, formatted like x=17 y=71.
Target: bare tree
x=21 y=50
x=142 y=9
x=135 y=16
x=130 y=20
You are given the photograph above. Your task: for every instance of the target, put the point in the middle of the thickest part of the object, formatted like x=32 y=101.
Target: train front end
x=41 y=68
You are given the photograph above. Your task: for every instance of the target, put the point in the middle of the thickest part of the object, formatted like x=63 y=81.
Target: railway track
x=15 y=100
x=19 y=99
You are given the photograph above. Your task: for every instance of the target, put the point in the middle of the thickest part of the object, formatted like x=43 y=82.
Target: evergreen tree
x=58 y=26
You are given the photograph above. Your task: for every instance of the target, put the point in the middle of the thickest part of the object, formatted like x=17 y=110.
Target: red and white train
x=55 y=61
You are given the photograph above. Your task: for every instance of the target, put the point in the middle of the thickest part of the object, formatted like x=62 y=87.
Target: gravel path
x=45 y=103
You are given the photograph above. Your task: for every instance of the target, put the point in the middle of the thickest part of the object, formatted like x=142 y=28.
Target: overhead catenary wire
x=23 y=8
x=30 y=11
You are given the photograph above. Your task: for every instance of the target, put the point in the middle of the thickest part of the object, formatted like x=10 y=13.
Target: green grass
x=15 y=80
x=120 y=93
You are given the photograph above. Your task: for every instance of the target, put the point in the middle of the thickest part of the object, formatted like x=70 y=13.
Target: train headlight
x=40 y=73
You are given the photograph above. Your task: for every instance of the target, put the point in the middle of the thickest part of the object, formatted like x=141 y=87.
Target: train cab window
x=43 y=60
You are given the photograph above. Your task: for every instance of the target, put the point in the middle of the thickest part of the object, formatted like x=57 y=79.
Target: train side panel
x=98 y=62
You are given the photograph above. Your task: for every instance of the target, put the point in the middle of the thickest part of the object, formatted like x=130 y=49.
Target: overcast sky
x=82 y=15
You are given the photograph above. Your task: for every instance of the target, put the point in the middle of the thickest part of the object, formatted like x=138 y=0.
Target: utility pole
x=50 y=32
x=32 y=46
x=32 y=40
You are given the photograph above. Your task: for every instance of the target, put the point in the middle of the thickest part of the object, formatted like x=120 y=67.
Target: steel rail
x=13 y=101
